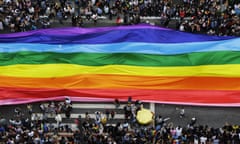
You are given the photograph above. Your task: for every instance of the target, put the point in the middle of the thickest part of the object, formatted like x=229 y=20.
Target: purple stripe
x=104 y=35
x=68 y=31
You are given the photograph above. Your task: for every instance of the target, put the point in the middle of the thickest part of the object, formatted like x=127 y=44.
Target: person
x=30 y=109
x=58 y=119
x=79 y=21
x=117 y=103
x=98 y=117
x=130 y=99
x=118 y=21
x=182 y=112
x=74 y=20
x=68 y=111
x=203 y=139
x=77 y=137
x=68 y=101
x=60 y=16
x=159 y=121
x=95 y=17
x=1 y=25
x=112 y=114
x=42 y=108
x=87 y=116
x=138 y=105
x=128 y=111
x=63 y=140
x=193 y=122
x=107 y=112
x=178 y=131
x=78 y=122
x=18 y=112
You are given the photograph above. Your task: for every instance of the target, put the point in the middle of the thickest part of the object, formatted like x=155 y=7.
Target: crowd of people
x=214 y=17
x=35 y=129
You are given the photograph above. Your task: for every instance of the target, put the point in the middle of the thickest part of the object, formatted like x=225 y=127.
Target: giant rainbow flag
x=145 y=62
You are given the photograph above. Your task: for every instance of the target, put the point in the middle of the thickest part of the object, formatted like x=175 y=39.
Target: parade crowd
x=36 y=129
x=213 y=17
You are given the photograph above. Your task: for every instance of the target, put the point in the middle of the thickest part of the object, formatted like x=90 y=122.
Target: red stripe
x=197 y=97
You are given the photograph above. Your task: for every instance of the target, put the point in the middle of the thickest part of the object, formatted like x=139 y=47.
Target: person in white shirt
x=196 y=140
x=95 y=17
x=58 y=119
x=181 y=28
x=182 y=112
x=68 y=101
x=203 y=139
x=178 y=131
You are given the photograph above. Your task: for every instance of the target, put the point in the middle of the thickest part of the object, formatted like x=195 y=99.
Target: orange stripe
x=124 y=82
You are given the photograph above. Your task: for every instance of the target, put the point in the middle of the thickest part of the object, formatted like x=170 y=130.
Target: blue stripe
x=113 y=36
x=127 y=47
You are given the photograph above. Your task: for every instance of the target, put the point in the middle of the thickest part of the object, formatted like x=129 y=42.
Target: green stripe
x=99 y=59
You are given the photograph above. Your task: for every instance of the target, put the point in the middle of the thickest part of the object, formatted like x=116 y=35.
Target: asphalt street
x=211 y=116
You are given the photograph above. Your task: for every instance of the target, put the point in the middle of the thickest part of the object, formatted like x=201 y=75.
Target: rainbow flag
x=145 y=62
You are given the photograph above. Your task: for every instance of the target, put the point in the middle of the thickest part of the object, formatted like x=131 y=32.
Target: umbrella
x=144 y=116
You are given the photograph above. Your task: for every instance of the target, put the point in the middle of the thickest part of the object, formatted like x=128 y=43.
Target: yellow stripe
x=62 y=70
